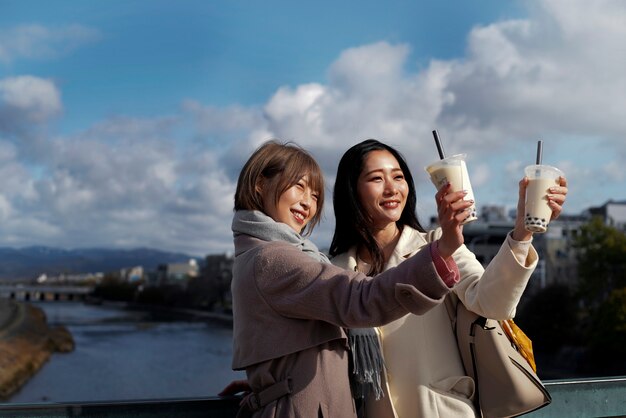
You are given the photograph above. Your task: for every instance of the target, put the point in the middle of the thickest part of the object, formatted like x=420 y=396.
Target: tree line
x=580 y=329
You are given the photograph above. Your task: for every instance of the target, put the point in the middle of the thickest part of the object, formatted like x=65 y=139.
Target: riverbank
x=225 y=319
x=125 y=354
x=194 y=314
x=26 y=343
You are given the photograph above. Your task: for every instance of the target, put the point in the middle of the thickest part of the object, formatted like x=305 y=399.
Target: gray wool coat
x=289 y=311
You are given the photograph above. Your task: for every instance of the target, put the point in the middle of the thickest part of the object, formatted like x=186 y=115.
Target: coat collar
x=410 y=242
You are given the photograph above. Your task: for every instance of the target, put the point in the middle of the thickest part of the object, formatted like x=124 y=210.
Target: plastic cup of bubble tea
x=453 y=170
x=538 y=211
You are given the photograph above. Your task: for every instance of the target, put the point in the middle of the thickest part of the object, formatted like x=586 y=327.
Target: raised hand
x=556 y=199
x=451 y=211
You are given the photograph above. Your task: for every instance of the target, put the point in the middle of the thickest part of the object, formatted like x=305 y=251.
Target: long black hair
x=352 y=225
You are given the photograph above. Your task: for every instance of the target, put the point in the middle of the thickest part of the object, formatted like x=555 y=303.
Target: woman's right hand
x=451 y=211
x=235 y=387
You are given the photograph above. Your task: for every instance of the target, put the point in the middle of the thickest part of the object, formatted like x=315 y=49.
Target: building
x=485 y=238
x=176 y=273
x=495 y=213
x=219 y=267
x=557 y=255
x=556 y=249
x=613 y=213
x=132 y=274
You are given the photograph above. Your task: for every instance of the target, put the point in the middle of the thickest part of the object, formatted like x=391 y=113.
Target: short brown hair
x=287 y=160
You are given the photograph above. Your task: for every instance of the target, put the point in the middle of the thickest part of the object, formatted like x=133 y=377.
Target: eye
x=314 y=196
x=399 y=177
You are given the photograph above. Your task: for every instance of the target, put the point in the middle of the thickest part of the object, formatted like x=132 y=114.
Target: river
x=130 y=355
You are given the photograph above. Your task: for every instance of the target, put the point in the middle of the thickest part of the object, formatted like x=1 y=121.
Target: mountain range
x=31 y=262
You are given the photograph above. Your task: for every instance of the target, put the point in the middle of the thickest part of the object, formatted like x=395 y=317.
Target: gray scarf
x=366 y=353
x=259 y=225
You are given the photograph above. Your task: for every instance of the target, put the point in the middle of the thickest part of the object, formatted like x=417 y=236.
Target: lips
x=299 y=216
x=390 y=204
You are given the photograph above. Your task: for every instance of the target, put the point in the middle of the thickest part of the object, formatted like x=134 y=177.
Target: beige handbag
x=506 y=384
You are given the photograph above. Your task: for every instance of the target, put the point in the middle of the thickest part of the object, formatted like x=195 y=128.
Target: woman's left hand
x=556 y=199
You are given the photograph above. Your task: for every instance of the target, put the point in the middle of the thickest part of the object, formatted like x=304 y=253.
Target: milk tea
x=538 y=212
x=453 y=170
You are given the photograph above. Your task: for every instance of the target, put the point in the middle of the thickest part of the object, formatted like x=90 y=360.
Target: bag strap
x=451 y=308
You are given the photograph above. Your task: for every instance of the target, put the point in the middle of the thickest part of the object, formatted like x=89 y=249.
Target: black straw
x=539 y=152
x=442 y=154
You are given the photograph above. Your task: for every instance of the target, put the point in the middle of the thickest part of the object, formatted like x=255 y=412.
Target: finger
x=456 y=212
x=235 y=387
x=460 y=216
x=561 y=184
x=556 y=209
x=443 y=190
x=455 y=197
x=557 y=198
x=557 y=192
x=523 y=184
x=443 y=199
x=227 y=390
x=461 y=204
x=441 y=208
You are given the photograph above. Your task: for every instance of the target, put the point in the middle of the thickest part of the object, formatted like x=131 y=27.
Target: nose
x=390 y=188
x=307 y=198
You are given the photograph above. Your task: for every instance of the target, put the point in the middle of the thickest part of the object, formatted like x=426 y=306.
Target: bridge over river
x=45 y=292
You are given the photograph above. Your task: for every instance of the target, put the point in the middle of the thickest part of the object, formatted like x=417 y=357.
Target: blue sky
x=148 y=56
x=124 y=123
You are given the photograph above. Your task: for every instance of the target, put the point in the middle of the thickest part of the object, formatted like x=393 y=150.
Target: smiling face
x=295 y=207
x=382 y=188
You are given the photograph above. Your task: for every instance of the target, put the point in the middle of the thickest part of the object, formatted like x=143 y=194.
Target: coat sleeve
x=297 y=286
x=494 y=291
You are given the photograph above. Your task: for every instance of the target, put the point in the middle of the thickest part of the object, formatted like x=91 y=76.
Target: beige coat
x=425 y=376
x=289 y=311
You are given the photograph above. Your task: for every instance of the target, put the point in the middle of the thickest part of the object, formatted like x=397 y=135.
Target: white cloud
x=545 y=77
x=356 y=68
x=168 y=182
x=289 y=111
x=40 y=42
x=124 y=180
x=211 y=119
x=25 y=100
x=6 y=208
x=559 y=71
x=369 y=94
x=557 y=76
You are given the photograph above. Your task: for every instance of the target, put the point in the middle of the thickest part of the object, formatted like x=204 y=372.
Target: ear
x=260 y=183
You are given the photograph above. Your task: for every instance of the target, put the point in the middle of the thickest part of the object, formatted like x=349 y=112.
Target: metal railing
x=580 y=398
